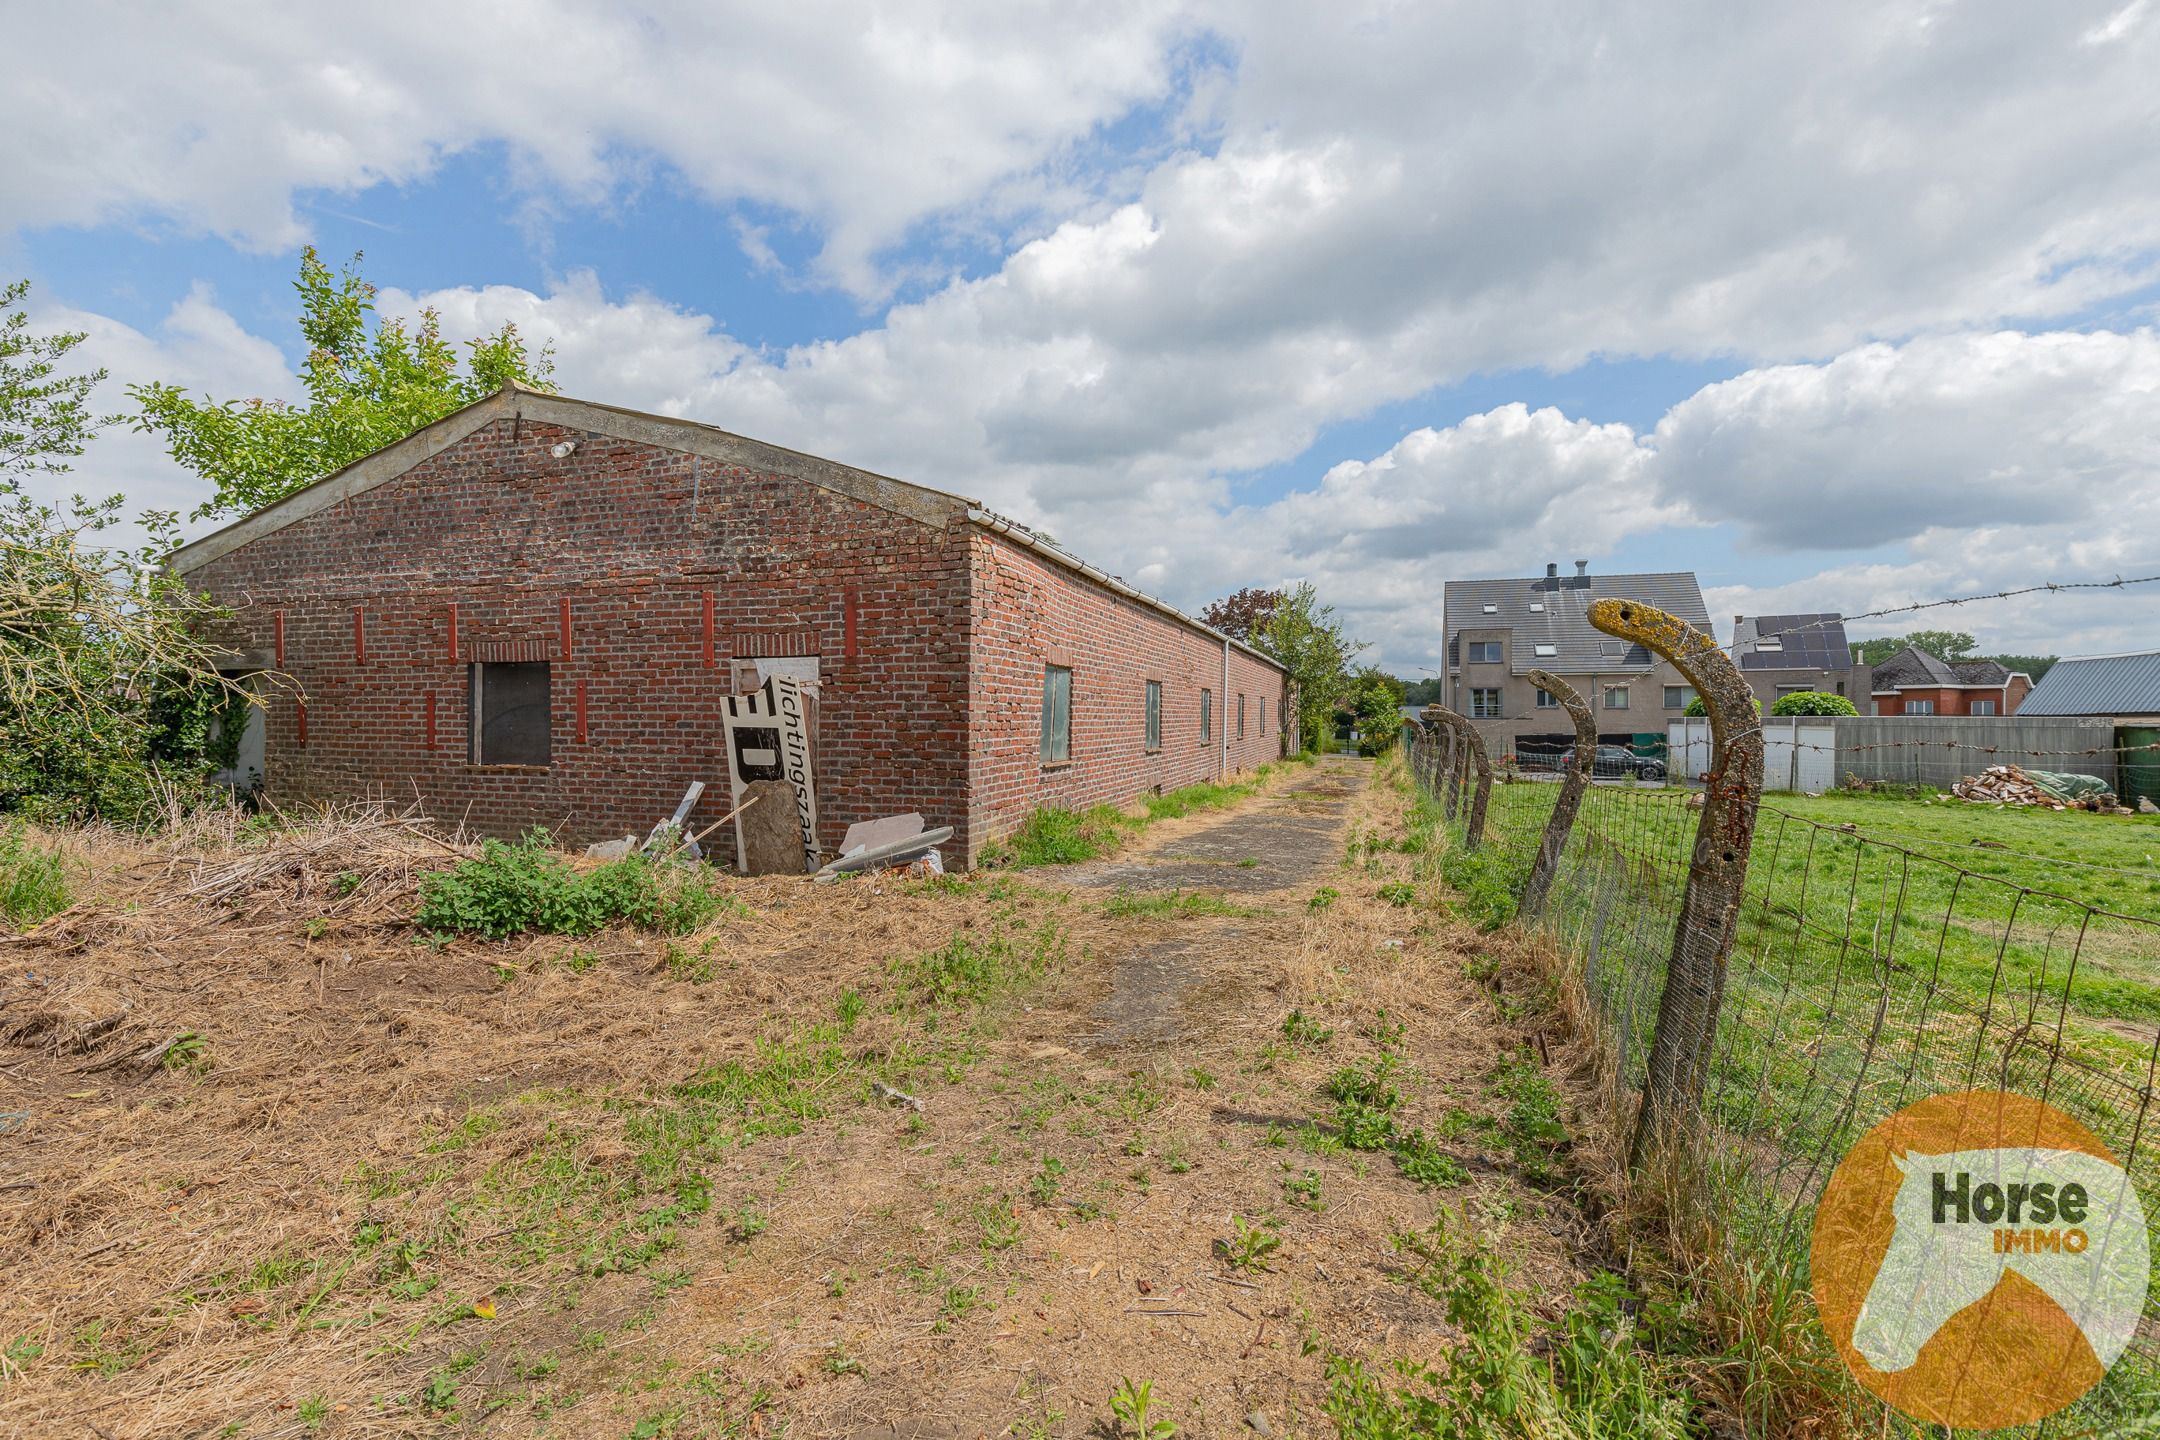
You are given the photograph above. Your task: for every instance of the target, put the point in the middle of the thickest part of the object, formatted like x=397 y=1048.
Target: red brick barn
x=530 y=613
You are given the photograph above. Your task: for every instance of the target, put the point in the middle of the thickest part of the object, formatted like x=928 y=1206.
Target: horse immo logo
x=1980 y=1259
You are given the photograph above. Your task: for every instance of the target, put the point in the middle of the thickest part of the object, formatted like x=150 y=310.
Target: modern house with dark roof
x=1497 y=630
x=1784 y=654
x=1913 y=682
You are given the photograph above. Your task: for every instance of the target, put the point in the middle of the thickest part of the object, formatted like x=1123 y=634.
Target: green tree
x=109 y=694
x=45 y=417
x=1309 y=642
x=2033 y=665
x=370 y=381
x=1376 y=700
x=1812 y=702
x=1942 y=644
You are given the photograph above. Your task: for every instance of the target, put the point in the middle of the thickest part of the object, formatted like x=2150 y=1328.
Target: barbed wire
x=2045 y=587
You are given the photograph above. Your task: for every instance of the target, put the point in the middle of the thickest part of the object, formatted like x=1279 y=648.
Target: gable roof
x=1563 y=619
x=902 y=497
x=1915 y=667
x=1813 y=641
x=2098 y=685
x=922 y=503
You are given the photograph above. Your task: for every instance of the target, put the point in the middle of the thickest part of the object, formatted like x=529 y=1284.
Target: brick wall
x=1028 y=613
x=604 y=563
x=637 y=572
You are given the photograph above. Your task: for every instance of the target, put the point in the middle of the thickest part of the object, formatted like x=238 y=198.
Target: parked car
x=1617 y=762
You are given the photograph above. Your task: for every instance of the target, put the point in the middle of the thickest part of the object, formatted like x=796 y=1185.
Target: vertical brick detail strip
x=453 y=633
x=708 y=629
x=431 y=719
x=563 y=624
x=580 y=712
x=359 y=634
x=277 y=627
x=847 y=608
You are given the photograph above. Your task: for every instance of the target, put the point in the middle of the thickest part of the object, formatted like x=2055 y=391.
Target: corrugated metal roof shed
x=2098 y=685
x=1555 y=610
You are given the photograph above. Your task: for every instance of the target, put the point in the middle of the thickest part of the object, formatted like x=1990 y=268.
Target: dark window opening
x=1154 y=716
x=511 y=714
x=1241 y=717
x=1207 y=715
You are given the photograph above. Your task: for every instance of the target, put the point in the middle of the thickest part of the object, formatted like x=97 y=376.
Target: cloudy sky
x=1841 y=306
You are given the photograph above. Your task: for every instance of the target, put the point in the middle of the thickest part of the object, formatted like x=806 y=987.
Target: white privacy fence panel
x=1798 y=754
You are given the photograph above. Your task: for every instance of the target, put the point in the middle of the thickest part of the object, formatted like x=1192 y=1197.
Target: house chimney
x=1552 y=571
x=1582 y=567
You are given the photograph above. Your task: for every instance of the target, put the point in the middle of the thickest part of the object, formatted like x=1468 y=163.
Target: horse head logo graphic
x=2065 y=1220
x=1980 y=1259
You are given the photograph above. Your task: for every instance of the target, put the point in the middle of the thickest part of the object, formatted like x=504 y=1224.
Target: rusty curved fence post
x=1444 y=771
x=1717 y=869
x=1572 y=786
x=1472 y=746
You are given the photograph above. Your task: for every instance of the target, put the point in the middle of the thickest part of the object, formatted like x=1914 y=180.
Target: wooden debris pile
x=2010 y=785
x=350 y=861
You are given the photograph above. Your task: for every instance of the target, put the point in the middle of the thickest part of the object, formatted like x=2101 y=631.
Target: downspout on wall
x=1224 y=773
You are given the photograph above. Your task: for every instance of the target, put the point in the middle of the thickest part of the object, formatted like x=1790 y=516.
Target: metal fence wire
x=1862 y=976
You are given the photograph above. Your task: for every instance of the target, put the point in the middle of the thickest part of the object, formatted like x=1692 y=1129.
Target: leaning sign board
x=768 y=738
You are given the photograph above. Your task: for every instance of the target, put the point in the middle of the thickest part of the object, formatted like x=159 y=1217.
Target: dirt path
x=1060 y=1218
x=633 y=1187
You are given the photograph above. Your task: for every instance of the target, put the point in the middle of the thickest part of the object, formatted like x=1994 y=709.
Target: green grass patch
x=1053 y=835
x=33 y=881
x=1512 y=1374
x=1179 y=903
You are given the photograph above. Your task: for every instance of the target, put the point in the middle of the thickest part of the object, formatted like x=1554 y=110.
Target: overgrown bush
x=1812 y=702
x=33 y=882
x=513 y=889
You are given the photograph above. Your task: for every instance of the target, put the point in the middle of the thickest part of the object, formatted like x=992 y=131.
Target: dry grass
x=400 y=1188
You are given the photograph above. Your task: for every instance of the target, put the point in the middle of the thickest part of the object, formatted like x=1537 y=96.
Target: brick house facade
x=624 y=568
x=1913 y=682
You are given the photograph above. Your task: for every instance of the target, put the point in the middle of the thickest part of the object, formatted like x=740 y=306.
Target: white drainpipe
x=1226 y=708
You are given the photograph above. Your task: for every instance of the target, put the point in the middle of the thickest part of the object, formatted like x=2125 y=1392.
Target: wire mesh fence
x=1865 y=975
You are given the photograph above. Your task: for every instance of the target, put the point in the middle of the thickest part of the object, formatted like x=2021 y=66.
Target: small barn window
x=1154 y=716
x=1263 y=714
x=510 y=714
x=1207 y=715
x=1057 y=715
x=1241 y=717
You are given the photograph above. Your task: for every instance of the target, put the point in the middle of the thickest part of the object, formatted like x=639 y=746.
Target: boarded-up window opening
x=511 y=714
x=1056 y=715
x=1154 y=715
